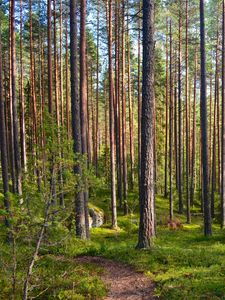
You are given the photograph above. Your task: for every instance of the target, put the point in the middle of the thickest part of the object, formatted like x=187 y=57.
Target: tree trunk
x=14 y=103
x=180 y=164
x=83 y=100
x=3 y=144
x=22 y=102
x=147 y=186
x=171 y=126
x=75 y=114
x=49 y=13
x=97 y=96
x=213 y=180
x=166 y=127
x=67 y=85
x=111 y=118
x=131 y=114
x=187 y=121
x=10 y=129
x=124 y=129
x=223 y=125
x=139 y=96
x=192 y=187
x=203 y=112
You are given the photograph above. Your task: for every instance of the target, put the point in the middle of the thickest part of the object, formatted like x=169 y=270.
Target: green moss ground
x=183 y=263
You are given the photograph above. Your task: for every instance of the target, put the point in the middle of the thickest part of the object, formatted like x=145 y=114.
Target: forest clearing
x=112 y=142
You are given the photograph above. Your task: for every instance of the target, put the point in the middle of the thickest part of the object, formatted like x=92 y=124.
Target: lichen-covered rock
x=96 y=217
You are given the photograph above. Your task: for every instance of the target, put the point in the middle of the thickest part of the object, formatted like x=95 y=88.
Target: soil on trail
x=122 y=281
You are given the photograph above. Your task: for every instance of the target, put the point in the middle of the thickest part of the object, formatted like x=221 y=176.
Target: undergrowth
x=182 y=262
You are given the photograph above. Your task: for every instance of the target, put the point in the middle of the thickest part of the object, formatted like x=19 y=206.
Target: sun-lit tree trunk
x=171 y=125
x=111 y=118
x=50 y=94
x=22 y=102
x=49 y=13
x=124 y=127
x=193 y=159
x=61 y=108
x=10 y=126
x=210 y=122
x=56 y=77
x=223 y=125
x=117 y=100
x=97 y=95
x=61 y=64
x=14 y=103
x=33 y=98
x=175 y=122
x=106 y=129
x=131 y=113
x=75 y=114
x=166 y=127
x=3 y=144
x=139 y=94
x=180 y=163
x=213 y=179
x=83 y=99
x=187 y=117
x=67 y=84
x=89 y=110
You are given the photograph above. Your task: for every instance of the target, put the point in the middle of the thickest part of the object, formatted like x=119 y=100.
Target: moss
x=183 y=263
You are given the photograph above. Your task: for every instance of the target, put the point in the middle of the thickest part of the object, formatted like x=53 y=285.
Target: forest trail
x=122 y=281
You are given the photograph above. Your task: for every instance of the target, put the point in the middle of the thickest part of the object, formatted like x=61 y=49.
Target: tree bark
x=180 y=165
x=22 y=102
x=187 y=121
x=14 y=103
x=147 y=185
x=75 y=114
x=223 y=125
x=83 y=100
x=3 y=144
x=171 y=126
x=49 y=13
x=124 y=127
x=131 y=113
x=139 y=95
x=111 y=118
x=166 y=127
x=193 y=160
x=203 y=112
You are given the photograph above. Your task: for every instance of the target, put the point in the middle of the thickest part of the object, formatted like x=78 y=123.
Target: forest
x=112 y=143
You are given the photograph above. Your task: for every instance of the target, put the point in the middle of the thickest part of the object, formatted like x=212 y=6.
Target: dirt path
x=122 y=281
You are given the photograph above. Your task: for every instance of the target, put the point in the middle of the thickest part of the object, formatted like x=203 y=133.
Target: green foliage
x=183 y=263
x=59 y=278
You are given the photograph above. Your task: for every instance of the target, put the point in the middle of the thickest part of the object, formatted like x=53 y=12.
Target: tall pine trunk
x=111 y=118
x=3 y=144
x=180 y=164
x=83 y=100
x=14 y=103
x=223 y=125
x=203 y=112
x=75 y=114
x=187 y=120
x=147 y=185
x=171 y=126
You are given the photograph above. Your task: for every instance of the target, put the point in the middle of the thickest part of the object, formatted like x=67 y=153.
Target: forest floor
x=181 y=265
x=122 y=281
